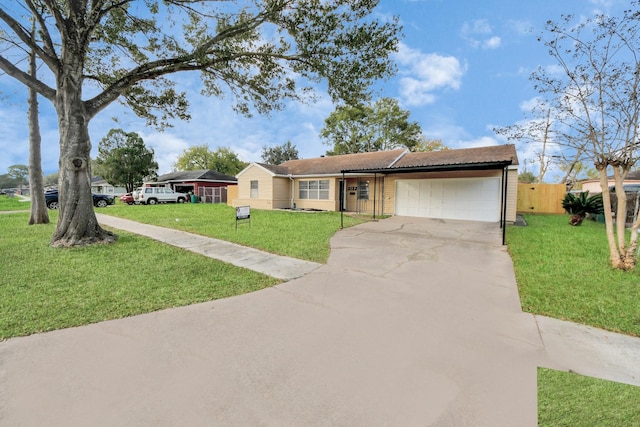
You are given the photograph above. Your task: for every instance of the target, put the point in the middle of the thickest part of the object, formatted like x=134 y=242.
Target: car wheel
x=129 y=203
x=181 y=200
x=152 y=201
x=101 y=203
x=52 y=205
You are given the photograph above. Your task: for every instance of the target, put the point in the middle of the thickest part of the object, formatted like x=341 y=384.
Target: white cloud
x=425 y=73
x=492 y=43
x=167 y=147
x=521 y=28
x=477 y=27
x=478 y=34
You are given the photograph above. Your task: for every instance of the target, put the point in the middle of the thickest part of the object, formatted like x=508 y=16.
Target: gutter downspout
x=293 y=189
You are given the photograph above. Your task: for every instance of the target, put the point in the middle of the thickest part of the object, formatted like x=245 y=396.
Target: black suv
x=99 y=200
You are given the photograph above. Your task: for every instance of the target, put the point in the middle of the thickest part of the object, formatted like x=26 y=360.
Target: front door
x=352 y=196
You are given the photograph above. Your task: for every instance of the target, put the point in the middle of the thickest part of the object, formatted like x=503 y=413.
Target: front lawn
x=303 y=235
x=563 y=272
x=42 y=288
x=566 y=399
x=13 y=203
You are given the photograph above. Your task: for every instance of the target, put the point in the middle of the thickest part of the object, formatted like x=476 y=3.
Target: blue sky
x=463 y=69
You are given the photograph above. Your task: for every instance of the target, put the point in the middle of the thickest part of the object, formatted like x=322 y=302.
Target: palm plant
x=578 y=206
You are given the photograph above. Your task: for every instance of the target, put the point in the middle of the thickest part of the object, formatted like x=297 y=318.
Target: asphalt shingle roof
x=396 y=159
x=465 y=156
x=204 y=174
x=336 y=164
x=277 y=169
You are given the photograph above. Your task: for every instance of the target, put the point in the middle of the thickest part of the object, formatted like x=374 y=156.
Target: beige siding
x=512 y=194
x=281 y=193
x=265 y=188
x=376 y=190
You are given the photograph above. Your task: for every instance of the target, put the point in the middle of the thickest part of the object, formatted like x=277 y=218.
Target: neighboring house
x=100 y=186
x=467 y=184
x=593 y=185
x=209 y=185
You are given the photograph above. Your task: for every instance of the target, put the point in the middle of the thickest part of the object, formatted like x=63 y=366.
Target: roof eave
x=438 y=168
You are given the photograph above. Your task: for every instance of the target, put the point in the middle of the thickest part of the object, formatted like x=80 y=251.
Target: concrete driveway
x=413 y=322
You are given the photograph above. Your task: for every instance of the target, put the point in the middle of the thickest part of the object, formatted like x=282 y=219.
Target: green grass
x=564 y=272
x=42 y=288
x=12 y=203
x=303 y=235
x=570 y=400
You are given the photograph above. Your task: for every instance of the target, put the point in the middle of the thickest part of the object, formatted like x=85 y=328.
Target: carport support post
x=503 y=219
x=342 y=202
x=375 y=177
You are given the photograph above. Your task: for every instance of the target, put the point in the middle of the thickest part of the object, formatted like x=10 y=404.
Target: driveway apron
x=412 y=322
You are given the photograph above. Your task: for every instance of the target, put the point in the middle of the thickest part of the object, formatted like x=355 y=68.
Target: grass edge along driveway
x=563 y=272
x=87 y=285
x=44 y=288
x=303 y=235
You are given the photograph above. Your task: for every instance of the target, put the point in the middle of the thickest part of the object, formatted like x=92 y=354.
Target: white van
x=154 y=195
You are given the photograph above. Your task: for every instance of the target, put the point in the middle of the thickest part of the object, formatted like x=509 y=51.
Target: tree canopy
x=592 y=96
x=360 y=128
x=125 y=160
x=19 y=174
x=527 y=177
x=198 y=157
x=279 y=154
x=260 y=53
x=425 y=144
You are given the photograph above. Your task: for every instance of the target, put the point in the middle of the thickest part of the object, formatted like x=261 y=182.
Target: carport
x=499 y=165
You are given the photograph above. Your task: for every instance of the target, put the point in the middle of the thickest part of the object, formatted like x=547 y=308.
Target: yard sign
x=243 y=213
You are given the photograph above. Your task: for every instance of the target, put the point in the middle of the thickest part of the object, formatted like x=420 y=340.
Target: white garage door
x=475 y=199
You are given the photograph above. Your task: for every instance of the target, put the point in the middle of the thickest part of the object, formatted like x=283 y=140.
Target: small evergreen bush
x=580 y=205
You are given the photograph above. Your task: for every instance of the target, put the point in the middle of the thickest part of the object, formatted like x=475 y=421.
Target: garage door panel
x=476 y=199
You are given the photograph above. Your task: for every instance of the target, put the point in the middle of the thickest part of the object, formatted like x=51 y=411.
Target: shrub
x=578 y=206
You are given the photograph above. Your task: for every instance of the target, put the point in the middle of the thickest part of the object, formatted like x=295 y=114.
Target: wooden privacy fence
x=541 y=198
x=232 y=193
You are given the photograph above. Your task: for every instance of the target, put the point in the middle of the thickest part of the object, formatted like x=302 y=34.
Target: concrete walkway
x=589 y=351
x=412 y=322
x=280 y=267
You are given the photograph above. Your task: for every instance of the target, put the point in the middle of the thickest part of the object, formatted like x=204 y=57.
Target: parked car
x=99 y=200
x=127 y=198
x=154 y=195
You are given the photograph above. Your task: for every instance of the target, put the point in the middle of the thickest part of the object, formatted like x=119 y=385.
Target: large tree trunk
x=39 y=214
x=622 y=256
x=77 y=223
x=614 y=254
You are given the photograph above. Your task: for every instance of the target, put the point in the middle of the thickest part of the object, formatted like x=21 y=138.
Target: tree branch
x=26 y=79
x=25 y=37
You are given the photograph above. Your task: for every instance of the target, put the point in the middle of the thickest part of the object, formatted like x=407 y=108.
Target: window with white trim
x=363 y=190
x=254 y=189
x=313 y=190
